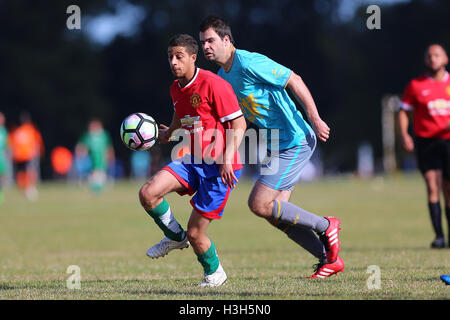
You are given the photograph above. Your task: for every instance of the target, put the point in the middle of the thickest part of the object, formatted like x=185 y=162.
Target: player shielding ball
x=259 y=84
x=427 y=97
x=205 y=105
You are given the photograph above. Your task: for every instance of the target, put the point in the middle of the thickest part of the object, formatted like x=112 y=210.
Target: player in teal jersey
x=4 y=165
x=260 y=85
x=96 y=143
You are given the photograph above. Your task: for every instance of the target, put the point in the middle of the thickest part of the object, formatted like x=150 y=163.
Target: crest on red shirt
x=195 y=100
x=447 y=90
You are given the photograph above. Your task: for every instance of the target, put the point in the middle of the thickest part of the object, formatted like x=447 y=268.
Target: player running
x=205 y=105
x=427 y=97
x=259 y=84
x=27 y=148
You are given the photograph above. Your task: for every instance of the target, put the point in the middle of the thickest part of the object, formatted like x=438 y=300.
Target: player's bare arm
x=165 y=132
x=403 y=122
x=238 y=127
x=301 y=92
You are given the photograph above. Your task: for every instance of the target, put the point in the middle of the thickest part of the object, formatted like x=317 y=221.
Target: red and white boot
x=330 y=239
x=326 y=270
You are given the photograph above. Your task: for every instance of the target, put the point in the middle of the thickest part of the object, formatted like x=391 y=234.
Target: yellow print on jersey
x=439 y=107
x=278 y=73
x=188 y=121
x=447 y=90
x=249 y=105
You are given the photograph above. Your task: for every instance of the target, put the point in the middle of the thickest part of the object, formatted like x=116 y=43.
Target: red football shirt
x=205 y=106
x=430 y=101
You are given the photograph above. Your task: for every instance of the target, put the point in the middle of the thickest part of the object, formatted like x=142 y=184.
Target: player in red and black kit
x=207 y=109
x=428 y=98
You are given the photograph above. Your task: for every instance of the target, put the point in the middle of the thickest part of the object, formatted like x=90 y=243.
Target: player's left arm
x=233 y=141
x=302 y=93
x=226 y=106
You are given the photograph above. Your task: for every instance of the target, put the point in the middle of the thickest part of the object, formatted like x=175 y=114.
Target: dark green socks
x=209 y=260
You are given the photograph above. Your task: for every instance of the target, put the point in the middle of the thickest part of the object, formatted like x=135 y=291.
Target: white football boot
x=165 y=246
x=215 y=279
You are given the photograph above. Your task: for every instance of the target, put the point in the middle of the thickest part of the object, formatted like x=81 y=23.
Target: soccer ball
x=139 y=131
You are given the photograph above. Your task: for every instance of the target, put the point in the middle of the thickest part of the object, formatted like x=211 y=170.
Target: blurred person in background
x=140 y=164
x=427 y=98
x=96 y=144
x=27 y=148
x=4 y=164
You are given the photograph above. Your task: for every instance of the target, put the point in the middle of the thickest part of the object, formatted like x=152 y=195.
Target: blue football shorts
x=203 y=180
x=282 y=171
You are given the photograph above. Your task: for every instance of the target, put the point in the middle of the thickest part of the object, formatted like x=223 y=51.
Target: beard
x=432 y=70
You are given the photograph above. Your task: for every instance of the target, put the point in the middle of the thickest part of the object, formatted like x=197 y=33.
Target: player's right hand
x=323 y=131
x=163 y=134
x=408 y=143
x=227 y=175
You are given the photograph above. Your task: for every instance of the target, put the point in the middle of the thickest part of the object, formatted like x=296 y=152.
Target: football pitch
x=385 y=224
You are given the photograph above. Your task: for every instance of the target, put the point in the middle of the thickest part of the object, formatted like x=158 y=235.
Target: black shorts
x=433 y=154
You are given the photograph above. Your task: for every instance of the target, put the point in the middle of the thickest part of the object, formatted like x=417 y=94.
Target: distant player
x=427 y=98
x=259 y=84
x=96 y=143
x=205 y=106
x=4 y=165
x=27 y=148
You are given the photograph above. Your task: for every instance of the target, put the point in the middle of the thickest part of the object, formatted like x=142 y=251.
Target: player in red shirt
x=205 y=108
x=428 y=98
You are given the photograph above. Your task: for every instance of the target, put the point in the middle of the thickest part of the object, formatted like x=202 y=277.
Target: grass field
x=385 y=223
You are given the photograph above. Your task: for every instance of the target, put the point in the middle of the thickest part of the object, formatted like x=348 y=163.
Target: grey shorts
x=282 y=171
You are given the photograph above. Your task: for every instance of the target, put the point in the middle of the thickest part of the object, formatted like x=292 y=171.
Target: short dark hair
x=434 y=44
x=184 y=40
x=220 y=26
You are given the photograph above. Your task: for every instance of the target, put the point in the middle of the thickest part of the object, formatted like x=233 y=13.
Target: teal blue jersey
x=259 y=84
x=3 y=149
x=3 y=140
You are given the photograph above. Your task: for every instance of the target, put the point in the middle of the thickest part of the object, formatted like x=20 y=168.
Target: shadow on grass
x=207 y=293
x=133 y=287
x=365 y=250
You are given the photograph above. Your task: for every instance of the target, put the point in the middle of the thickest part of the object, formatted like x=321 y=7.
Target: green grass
x=385 y=223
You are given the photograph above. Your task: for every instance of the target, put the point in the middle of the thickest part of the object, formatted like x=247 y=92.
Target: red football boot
x=330 y=239
x=326 y=270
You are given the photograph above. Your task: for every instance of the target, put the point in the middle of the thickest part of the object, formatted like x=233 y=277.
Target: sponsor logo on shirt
x=189 y=121
x=192 y=122
x=439 y=107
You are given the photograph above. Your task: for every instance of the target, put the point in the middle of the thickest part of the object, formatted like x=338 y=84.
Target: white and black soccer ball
x=139 y=131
